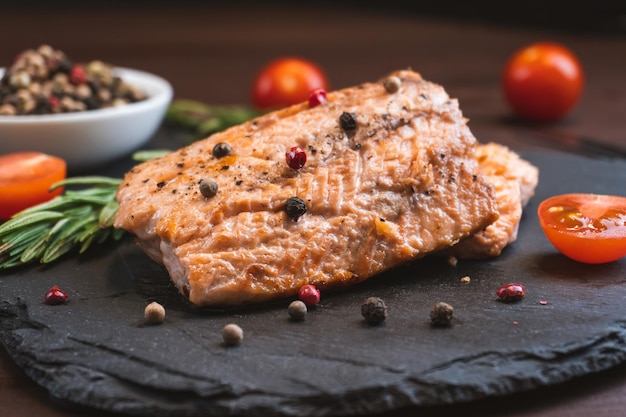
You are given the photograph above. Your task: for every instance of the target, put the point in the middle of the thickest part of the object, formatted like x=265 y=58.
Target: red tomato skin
x=542 y=82
x=287 y=81
x=585 y=245
x=25 y=180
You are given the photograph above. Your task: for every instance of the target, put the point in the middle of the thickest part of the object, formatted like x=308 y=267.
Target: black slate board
x=96 y=350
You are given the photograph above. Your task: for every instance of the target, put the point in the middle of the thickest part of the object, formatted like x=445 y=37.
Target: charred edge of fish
x=295 y=208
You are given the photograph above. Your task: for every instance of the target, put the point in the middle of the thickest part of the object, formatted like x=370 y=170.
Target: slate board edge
x=524 y=371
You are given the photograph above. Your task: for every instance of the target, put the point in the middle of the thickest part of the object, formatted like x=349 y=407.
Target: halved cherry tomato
x=25 y=180
x=542 y=81
x=589 y=228
x=286 y=81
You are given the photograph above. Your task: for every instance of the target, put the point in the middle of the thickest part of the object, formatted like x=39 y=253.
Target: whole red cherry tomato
x=286 y=81
x=542 y=81
x=589 y=228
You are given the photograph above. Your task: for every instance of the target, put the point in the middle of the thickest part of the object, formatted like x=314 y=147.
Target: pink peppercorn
x=317 y=96
x=296 y=157
x=309 y=295
x=54 y=102
x=511 y=292
x=55 y=296
x=77 y=75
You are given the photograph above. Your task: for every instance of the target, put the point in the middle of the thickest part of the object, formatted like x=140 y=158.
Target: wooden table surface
x=212 y=54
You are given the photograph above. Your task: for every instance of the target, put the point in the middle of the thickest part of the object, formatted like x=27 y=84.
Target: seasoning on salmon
x=395 y=180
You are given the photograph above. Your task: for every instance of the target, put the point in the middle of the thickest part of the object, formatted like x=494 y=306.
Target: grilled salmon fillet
x=514 y=180
x=390 y=177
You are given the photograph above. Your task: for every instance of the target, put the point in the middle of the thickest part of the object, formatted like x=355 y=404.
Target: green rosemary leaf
x=10 y=263
x=117 y=234
x=93 y=181
x=76 y=225
x=103 y=235
x=87 y=197
x=23 y=237
x=34 y=251
x=86 y=243
x=59 y=225
x=107 y=214
x=28 y=219
x=87 y=232
x=51 y=205
x=147 y=155
x=59 y=249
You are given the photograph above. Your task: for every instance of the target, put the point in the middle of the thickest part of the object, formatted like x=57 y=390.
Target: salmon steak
x=514 y=180
x=386 y=173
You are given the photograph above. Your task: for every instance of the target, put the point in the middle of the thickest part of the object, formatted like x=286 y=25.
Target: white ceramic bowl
x=88 y=139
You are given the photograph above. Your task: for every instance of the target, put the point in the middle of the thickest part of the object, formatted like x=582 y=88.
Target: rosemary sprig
x=75 y=219
x=203 y=119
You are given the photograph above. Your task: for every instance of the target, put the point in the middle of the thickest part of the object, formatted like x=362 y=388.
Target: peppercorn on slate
x=390 y=176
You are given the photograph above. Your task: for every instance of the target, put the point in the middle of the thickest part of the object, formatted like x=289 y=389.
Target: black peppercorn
x=374 y=310
x=441 y=314
x=347 y=121
x=297 y=310
x=295 y=207
x=221 y=150
x=208 y=188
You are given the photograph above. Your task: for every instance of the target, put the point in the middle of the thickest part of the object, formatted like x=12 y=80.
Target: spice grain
x=55 y=296
x=154 y=313
x=347 y=121
x=232 y=334
x=208 y=187
x=295 y=207
x=309 y=294
x=221 y=150
x=392 y=84
x=374 y=310
x=441 y=314
x=511 y=292
x=297 y=310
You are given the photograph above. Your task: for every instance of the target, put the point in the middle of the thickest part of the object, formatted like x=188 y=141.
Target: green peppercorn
x=295 y=207
x=441 y=314
x=297 y=310
x=347 y=121
x=208 y=188
x=221 y=150
x=374 y=310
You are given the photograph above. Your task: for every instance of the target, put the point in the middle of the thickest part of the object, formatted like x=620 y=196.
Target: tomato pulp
x=25 y=180
x=542 y=81
x=589 y=228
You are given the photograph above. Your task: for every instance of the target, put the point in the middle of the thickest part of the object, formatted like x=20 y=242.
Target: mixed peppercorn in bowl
x=87 y=114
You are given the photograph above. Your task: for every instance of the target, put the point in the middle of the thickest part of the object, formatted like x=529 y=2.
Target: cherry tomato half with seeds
x=25 y=180
x=589 y=228
x=287 y=81
x=542 y=81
